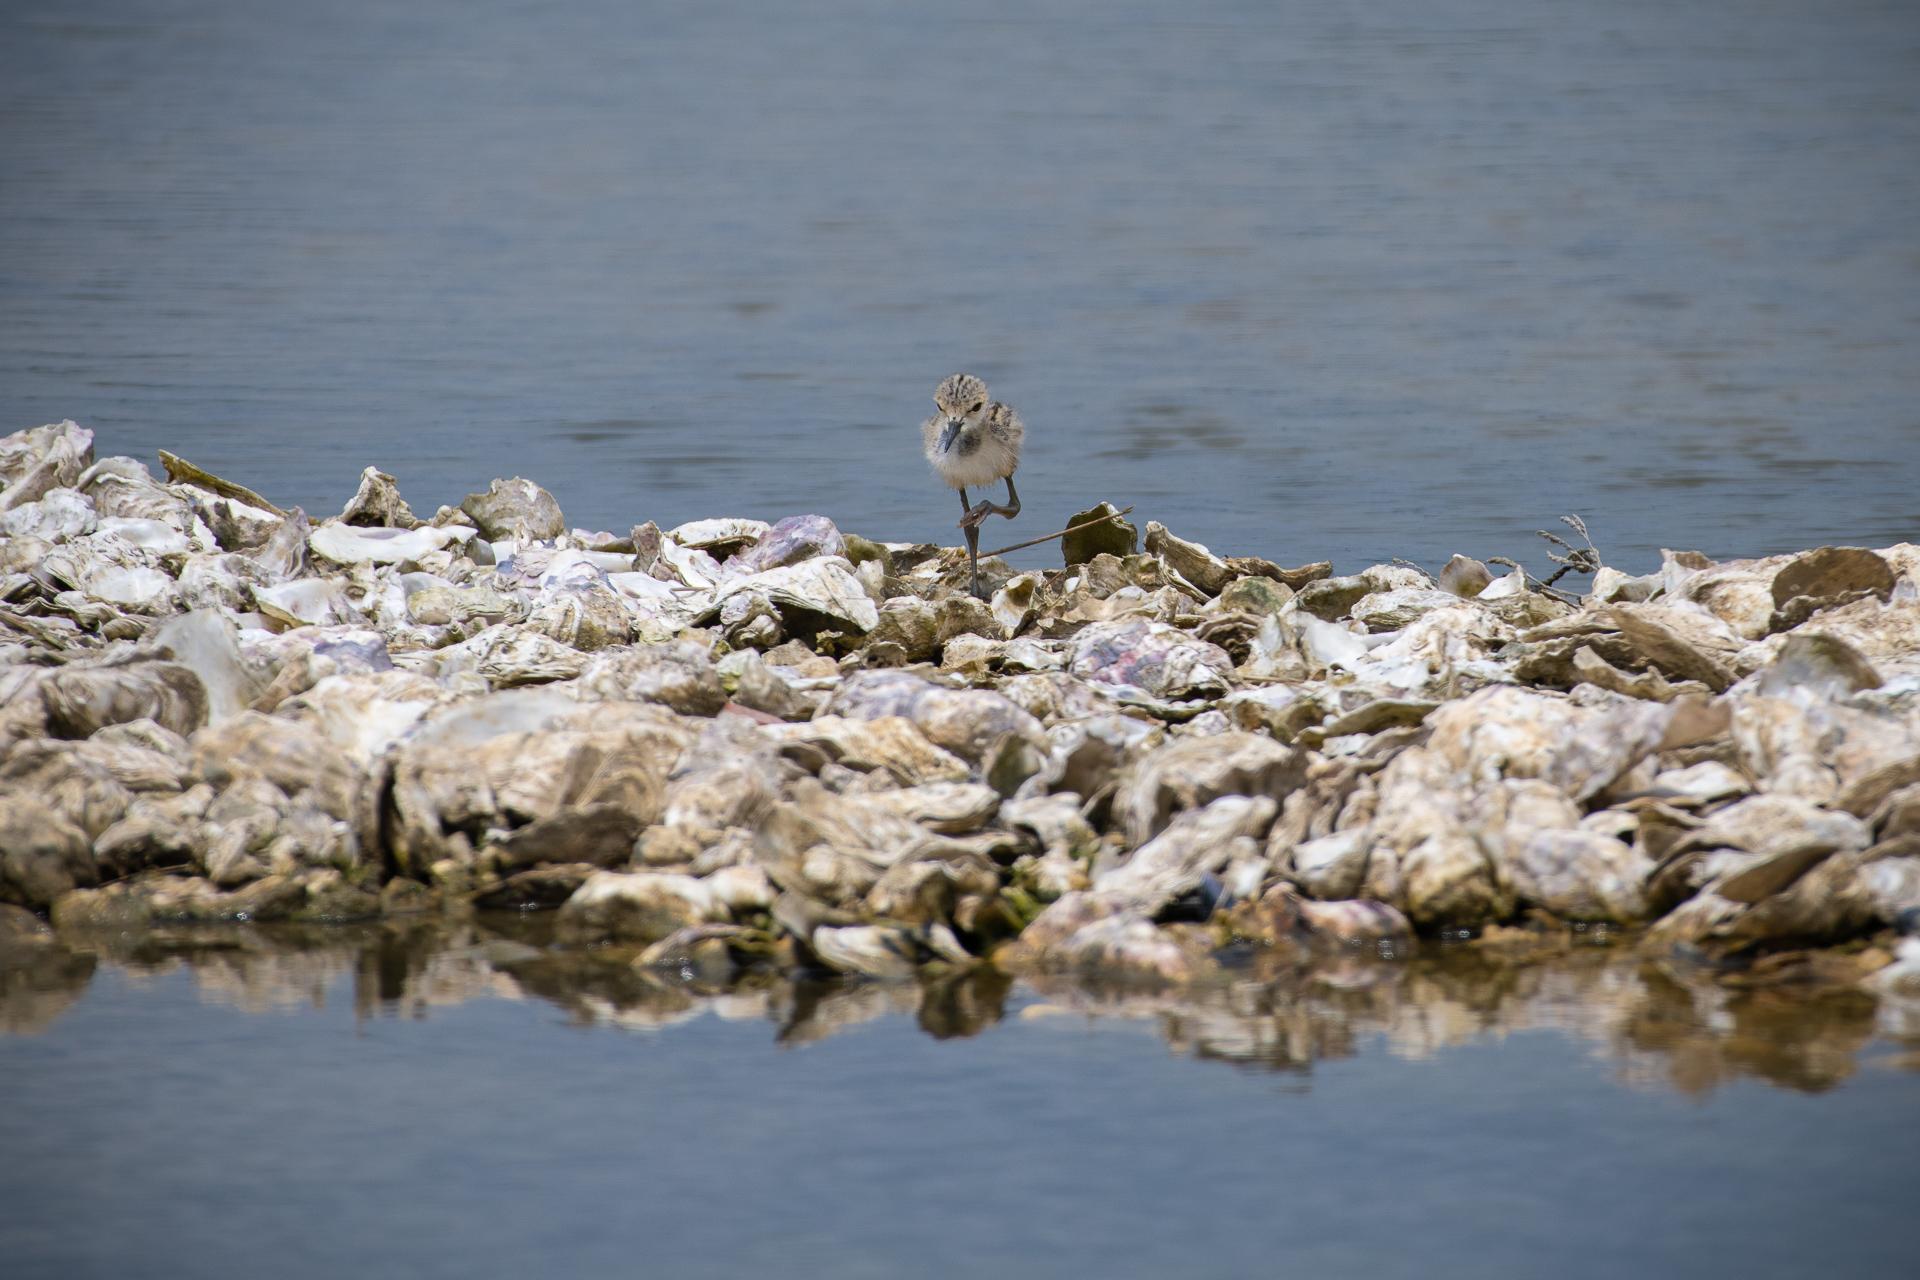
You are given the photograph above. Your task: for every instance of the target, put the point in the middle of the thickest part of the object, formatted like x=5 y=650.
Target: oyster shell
x=377 y=502
x=58 y=516
x=719 y=538
x=1192 y=772
x=42 y=855
x=967 y=722
x=679 y=675
x=811 y=595
x=1192 y=561
x=517 y=509
x=789 y=542
x=349 y=544
x=1196 y=842
x=35 y=462
x=1159 y=659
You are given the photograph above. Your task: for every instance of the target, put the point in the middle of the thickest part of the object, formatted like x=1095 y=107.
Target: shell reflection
x=1807 y=1027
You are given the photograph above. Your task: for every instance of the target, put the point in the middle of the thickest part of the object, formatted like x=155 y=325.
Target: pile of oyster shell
x=735 y=743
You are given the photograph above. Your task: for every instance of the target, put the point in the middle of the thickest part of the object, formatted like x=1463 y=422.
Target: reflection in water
x=38 y=986
x=1664 y=1027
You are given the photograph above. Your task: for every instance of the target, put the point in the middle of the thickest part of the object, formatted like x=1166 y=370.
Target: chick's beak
x=948 y=436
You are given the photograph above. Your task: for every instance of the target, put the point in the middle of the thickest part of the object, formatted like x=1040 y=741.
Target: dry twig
x=1034 y=542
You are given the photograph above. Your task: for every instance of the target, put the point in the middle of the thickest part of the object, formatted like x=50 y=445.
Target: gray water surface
x=1301 y=280
x=413 y=1100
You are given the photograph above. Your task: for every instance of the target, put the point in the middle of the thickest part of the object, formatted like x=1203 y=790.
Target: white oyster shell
x=353 y=544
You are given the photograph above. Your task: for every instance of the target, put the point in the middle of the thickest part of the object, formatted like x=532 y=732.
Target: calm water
x=386 y=1101
x=1401 y=278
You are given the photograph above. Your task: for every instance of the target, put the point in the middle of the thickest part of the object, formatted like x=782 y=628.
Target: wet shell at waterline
x=746 y=742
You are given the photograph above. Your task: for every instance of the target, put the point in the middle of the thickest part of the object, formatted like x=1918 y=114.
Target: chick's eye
x=978 y=405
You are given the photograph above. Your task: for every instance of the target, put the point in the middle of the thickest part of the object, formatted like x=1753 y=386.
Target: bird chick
x=972 y=440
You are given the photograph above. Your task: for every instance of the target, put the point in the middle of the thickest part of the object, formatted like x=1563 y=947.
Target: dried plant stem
x=1578 y=559
x=1034 y=542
